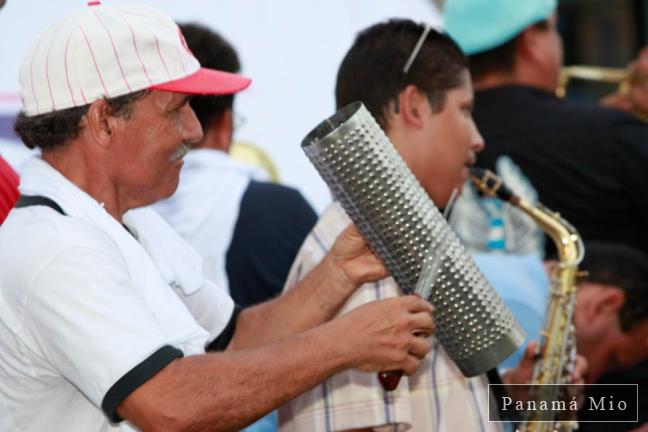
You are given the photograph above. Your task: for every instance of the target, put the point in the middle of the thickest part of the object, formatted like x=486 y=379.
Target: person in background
x=585 y=161
x=425 y=111
x=248 y=232
x=611 y=320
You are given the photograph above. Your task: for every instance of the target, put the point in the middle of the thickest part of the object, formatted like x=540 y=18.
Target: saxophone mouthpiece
x=491 y=185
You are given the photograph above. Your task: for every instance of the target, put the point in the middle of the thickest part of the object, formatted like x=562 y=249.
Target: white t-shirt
x=80 y=326
x=205 y=207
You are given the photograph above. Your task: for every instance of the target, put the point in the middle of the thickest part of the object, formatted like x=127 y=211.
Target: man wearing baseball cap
x=105 y=315
x=586 y=161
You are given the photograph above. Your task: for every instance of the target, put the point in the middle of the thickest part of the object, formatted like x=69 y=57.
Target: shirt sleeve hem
x=135 y=378
x=225 y=336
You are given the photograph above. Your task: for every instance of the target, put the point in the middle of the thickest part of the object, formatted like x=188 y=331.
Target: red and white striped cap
x=108 y=51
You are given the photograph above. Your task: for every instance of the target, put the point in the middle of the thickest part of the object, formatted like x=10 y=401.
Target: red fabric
x=8 y=189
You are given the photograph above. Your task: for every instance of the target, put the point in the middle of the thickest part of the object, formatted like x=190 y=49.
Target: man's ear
x=529 y=44
x=596 y=303
x=609 y=301
x=101 y=122
x=219 y=131
x=412 y=106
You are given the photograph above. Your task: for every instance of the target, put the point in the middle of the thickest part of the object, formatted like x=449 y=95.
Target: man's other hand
x=354 y=260
x=636 y=98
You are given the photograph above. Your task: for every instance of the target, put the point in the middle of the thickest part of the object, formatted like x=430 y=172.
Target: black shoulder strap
x=37 y=200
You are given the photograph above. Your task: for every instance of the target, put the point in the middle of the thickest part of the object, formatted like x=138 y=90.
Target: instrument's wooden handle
x=390 y=379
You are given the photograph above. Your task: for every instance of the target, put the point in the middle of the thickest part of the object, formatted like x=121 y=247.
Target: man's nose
x=193 y=132
x=477 y=140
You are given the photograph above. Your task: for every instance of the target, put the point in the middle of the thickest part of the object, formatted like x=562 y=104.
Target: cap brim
x=206 y=82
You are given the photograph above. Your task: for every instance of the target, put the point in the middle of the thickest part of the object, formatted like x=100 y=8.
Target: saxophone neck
x=569 y=243
x=567 y=240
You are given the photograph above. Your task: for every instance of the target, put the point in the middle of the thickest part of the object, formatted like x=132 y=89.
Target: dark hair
x=500 y=59
x=54 y=129
x=372 y=70
x=214 y=52
x=623 y=267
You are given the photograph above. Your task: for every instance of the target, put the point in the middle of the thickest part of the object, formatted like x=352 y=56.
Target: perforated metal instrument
x=404 y=227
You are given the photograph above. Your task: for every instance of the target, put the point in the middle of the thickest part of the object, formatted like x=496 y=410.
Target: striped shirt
x=437 y=398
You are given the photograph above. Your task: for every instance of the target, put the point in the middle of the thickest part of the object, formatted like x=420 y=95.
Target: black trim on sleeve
x=135 y=378
x=225 y=337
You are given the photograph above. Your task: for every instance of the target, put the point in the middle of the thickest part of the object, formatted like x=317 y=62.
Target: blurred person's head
x=611 y=313
x=425 y=108
x=508 y=41
x=214 y=112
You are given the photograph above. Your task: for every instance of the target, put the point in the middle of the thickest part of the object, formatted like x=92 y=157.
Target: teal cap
x=480 y=25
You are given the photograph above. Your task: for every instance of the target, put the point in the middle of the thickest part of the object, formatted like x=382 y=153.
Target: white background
x=290 y=48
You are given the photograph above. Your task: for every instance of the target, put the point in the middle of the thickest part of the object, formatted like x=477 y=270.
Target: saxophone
x=557 y=349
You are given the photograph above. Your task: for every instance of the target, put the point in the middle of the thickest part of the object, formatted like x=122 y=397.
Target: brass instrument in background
x=624 y=78
x=557 y=344
x=255 y=156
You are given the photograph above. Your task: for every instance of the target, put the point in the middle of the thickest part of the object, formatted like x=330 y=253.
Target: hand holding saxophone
x=523 y=373
x=575 y=390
